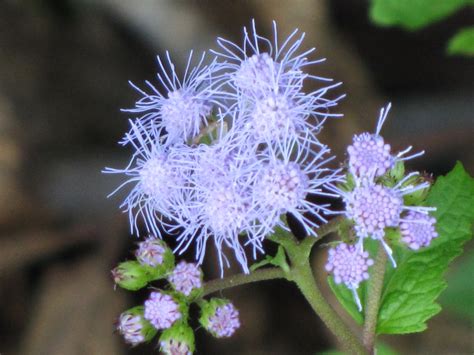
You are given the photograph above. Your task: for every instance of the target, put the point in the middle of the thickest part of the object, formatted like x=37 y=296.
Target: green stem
x=302 y=275
x=373 y=301
x=242 y=279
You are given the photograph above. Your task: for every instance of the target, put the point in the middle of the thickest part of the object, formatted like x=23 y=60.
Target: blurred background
x=64 y=67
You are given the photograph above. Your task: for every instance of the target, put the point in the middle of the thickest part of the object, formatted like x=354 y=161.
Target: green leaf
x=278 y=260
x=459 y=295
x=413 y=14
x=346 y=298
x=409 y=298
x=462 y=42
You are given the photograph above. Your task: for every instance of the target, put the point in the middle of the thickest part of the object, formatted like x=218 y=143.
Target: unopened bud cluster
x=166 y=310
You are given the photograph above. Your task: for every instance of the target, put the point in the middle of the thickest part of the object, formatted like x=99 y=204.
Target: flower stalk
x=373 y=301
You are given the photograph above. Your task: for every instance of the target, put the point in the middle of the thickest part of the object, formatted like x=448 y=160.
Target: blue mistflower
x=266 y=80
x=186 y=277
x=161 y=310
x=369 y=154
x=374 y=207
x=418 y=229
x=285 y=180
x=349 y=265
x=220 y=205
x=158 y=174
x=262 y=158
x=184 y=108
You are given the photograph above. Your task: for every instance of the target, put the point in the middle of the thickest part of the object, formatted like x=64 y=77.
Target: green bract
x=148 y=331
x=179 y=336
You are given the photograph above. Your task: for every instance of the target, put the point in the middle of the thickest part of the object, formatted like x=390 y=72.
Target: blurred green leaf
x=413 y=14
x=462 y=42
x=413 y=287
x=460 y=292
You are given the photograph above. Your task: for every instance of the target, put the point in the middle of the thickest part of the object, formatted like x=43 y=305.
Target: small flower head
x=220 y=208
x=134 y=328
x=285 y=180
x=151 y=252
x=186 y=277
x=374 y=208
x=349 y=264
x=369 y=155
x=266 y=80
x=161 y=310
x=258 y=69
x=369 y=152
x=418 y=229
x=158 y=174
x=177 y=340
x=220 y=318
x=179 y=114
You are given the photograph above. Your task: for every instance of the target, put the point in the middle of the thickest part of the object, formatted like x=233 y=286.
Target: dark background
x=64 y=67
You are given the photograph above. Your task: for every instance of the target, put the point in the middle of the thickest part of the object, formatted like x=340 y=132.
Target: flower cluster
x=378 y=196
x=228 y=149
x=166 y=309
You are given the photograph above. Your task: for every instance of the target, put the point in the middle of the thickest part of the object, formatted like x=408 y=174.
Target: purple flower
x=180 y=113
x=374 y=207
x=186 y=277
x=134 y=328
x=418 y=229
x=284 y=182
x=370 y=155
x=158 y=174
x=131 y=328
x=266 y=79
x=225 y=321
x=349 y=265
x=220 y=205
x=161 y=310
x=150 y=252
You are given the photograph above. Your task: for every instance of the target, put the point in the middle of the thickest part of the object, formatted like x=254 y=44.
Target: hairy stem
x=242 y=279
x=302 y=275
x=373 y=300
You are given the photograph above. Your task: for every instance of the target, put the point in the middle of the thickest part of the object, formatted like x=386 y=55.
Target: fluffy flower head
x=186 y=277
x=161 y=310
x=225 y=321
x=179 y=113
x=349 y=265
x=369 y=155
x=418 y=229
x=374 y=208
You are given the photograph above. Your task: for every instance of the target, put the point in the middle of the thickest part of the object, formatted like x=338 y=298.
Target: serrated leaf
x=462 y=42
x=413 y=14
x=409 y=298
